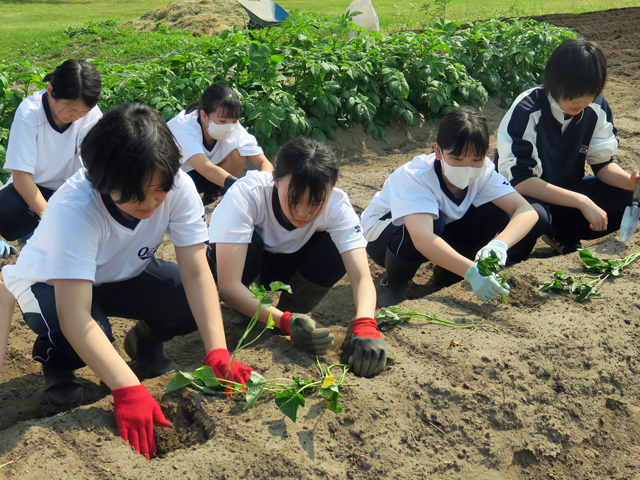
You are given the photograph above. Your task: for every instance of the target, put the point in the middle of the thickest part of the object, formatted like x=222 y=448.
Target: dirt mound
x=200 y=17
x=553 y=394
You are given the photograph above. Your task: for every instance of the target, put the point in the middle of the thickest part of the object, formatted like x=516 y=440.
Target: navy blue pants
x=16 y=218
x=467 y=235
x=567 y=225
x=318 y=261
x=156 y=296
x=205 y=186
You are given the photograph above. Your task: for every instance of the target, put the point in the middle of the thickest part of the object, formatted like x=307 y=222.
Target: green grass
x=407 y=16
x=33 y=29
x=24 y=22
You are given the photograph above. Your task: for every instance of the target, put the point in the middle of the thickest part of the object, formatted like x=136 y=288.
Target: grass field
x=408 y=13
x=24 y=23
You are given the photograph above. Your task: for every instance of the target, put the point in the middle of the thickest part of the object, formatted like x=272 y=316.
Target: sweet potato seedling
x=491 y=266
x=288 y=392
x=596 y=269
x=388 y=318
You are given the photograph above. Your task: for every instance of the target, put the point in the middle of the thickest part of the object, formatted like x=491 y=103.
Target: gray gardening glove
x=306 y=333
x=367 y=348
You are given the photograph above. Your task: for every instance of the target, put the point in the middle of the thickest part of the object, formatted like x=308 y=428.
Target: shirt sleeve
x=22 y=150
x=344 y=225
x=188 y=138
x=518 y=157
x=74 y=238
x=604 y=143
x=492 y=185
x=187 y=222
x=408 y=195
x=234 y=219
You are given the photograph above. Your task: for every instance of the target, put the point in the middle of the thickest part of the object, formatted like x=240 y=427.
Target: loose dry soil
x=552 y=395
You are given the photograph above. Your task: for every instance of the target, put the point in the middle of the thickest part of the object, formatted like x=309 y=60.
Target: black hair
x=576 y=68
x=76 y=79
x=218 y=96
x=125 y=148
x=310 y=165
x=464 y=131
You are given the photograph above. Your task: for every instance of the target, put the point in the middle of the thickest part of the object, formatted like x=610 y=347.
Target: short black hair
x=125 y=148
x=76 y=79
x=310 y=165
x=218 y=96
x=464 y=131
x=576 y=68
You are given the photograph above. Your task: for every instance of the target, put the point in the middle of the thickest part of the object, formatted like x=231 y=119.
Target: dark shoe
x=305 y=295
x=390 y=294
x=563 y=247
x=147 y=352
x=61 y=387
x=394 y=283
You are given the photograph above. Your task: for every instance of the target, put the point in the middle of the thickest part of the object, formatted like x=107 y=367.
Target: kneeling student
x=296 y=227
x=214 y=146
x=444 y=207
x=93 y=257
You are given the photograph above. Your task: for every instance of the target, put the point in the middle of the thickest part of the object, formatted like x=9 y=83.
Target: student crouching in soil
x=546 y=138
x=214 y=147
x=449 y=207
x=92 y=257
x=295 y=226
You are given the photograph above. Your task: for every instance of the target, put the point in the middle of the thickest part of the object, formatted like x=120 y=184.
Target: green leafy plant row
x=305 y=78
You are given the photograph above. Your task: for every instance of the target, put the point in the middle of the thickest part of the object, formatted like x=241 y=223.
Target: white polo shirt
x=84 y=236
x=39 y=147
x=190 y=138
x=249 y=205
x=418 y=187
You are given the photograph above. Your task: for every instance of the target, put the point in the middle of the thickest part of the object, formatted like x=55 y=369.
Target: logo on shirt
x=584 y=149
x=145 y=252
x=358 y=229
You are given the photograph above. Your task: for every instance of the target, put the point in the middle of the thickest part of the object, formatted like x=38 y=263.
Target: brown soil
x=200 y=17
x=552 y=395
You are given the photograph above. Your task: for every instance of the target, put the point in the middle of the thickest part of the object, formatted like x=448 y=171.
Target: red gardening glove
x=136 y=411
x=284 y=322
x=218 y=359
x=367 y=347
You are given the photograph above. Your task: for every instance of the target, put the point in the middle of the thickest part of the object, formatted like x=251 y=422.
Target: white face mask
x=221 y=132
x=461 y=177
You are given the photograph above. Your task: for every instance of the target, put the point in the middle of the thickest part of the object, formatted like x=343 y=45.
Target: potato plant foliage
x=305 y=78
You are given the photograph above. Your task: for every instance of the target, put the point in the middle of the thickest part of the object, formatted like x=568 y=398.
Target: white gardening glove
x=485 y=288
x=497 y=246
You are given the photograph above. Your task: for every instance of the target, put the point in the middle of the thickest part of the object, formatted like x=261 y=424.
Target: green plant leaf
x=255 y=385
x=178 y=381
x=289 y=402
x=275 y=286
x=205 y=373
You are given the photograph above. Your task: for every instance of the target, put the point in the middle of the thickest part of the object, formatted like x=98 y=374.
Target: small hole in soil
x=187 y=428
